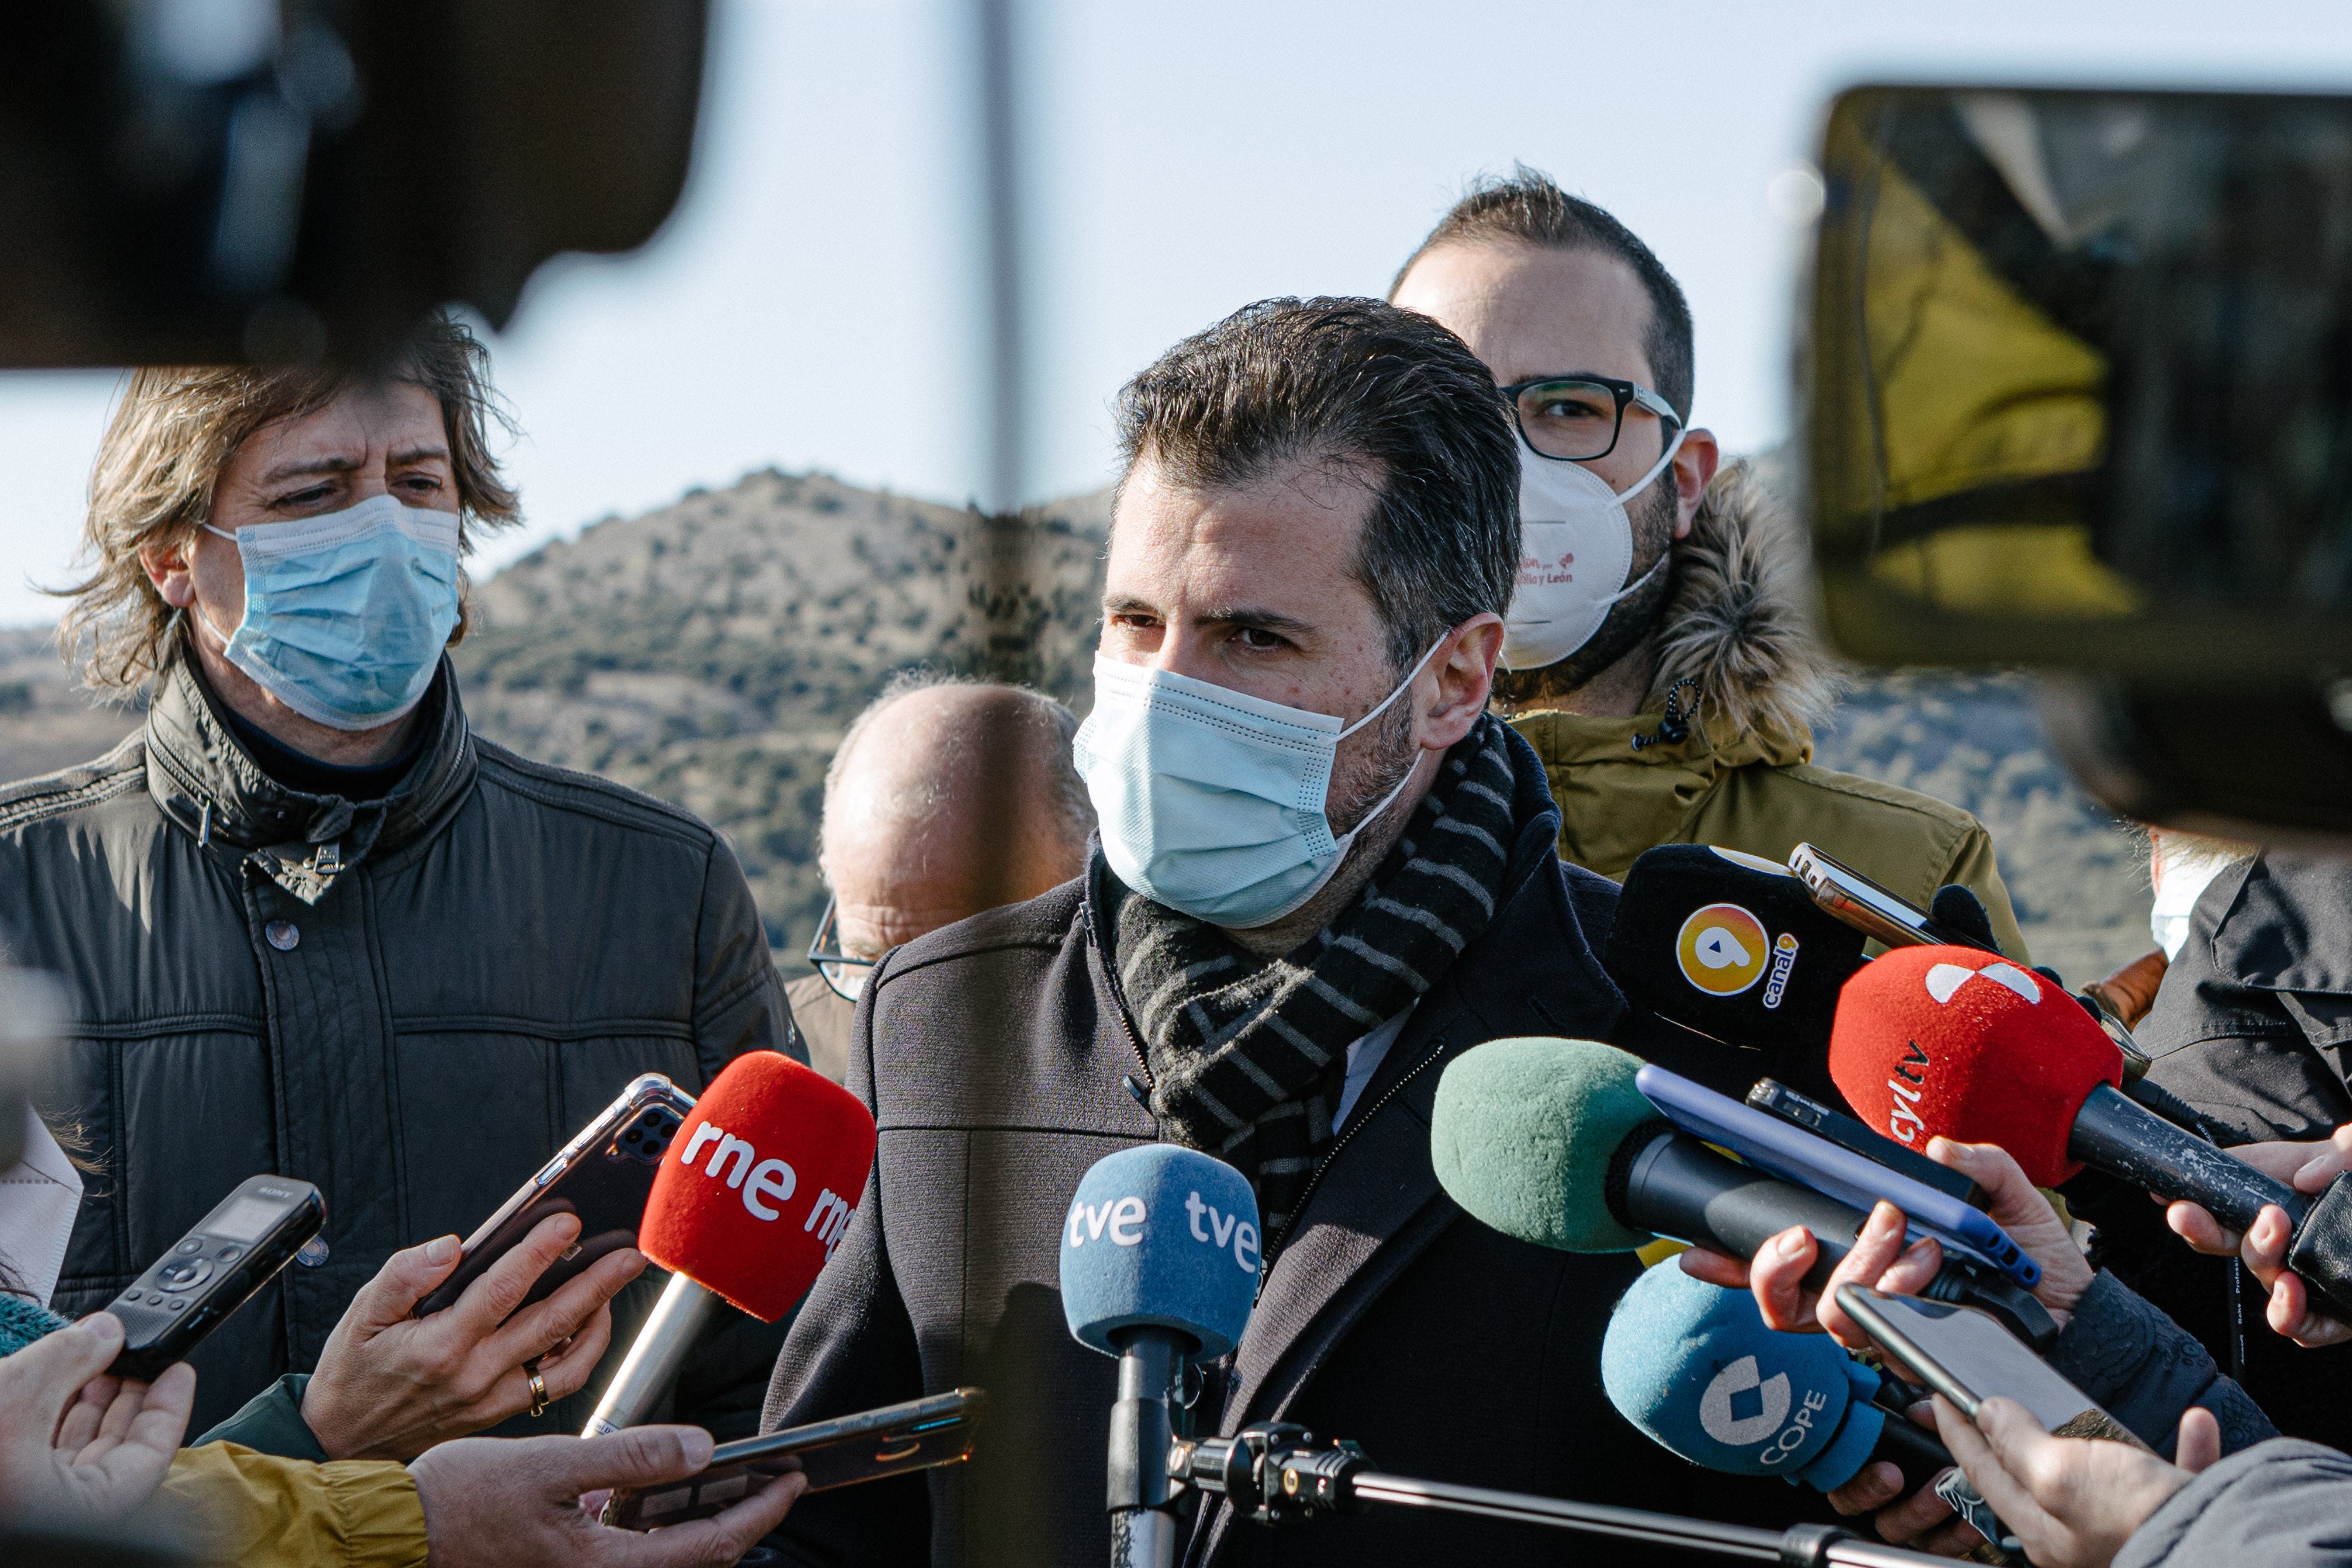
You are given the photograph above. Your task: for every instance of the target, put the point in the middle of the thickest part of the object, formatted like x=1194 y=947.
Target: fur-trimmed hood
x=1738 y=625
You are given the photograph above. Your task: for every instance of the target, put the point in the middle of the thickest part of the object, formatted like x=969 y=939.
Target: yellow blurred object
x=2008 y=569
x=1971 y=387
x=1658 y=1251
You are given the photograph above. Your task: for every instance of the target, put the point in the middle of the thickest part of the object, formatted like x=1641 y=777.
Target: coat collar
x=2279 y=923
x=205 y=782
x=1377 y=1204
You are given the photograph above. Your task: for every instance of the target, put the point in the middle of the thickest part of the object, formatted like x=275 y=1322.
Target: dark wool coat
x=994 y=1055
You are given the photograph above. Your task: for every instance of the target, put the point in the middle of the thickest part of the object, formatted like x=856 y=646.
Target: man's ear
x=167 y=567
x=1694 y=468
x=1463 y=672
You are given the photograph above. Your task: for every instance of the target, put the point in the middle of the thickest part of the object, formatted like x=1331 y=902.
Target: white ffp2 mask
x=1575 y=544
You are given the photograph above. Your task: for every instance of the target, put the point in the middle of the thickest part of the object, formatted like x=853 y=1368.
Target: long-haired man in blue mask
x=1323 y=871
x=311 y=924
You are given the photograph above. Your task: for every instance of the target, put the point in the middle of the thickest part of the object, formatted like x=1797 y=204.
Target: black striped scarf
x=1248 y=1055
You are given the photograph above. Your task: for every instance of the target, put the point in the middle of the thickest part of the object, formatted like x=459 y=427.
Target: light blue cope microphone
x=1694 y=1366
x=1160 y=1265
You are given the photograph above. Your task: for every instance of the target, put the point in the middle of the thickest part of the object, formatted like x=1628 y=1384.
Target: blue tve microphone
x=1694 y=1366
x=1160 y=1265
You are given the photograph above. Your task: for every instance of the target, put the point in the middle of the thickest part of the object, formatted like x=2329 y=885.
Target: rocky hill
x=712 y=653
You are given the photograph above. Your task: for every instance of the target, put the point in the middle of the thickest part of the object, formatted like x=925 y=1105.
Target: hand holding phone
x=602 y=1177
x=390 y=1385
x=2064 y=1500
x=1967 y=1357
x=896 y=1439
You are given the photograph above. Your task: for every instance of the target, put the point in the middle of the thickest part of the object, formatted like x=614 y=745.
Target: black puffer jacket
x=410 y=1001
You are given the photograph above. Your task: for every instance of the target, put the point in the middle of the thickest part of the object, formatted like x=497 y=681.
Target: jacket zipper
x=1363 y=1116
x=1118 y=1006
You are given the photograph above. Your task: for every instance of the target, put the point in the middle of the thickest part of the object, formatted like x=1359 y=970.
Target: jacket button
x=282 y=935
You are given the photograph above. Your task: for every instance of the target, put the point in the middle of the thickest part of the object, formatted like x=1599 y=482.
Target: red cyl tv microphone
x=1962 y=1044
x=755 y=1191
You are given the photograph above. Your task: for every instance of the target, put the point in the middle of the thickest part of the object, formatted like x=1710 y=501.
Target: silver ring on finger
x=538 y=1401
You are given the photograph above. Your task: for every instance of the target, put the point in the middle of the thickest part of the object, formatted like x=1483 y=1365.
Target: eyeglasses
x=1579 y=417
x=844 y=974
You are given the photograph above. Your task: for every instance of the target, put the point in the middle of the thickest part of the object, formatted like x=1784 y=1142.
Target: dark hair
x=1529 y=208
x=1356 y=381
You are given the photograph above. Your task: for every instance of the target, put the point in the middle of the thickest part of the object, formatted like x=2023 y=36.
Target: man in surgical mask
x=1323 y=871
x=1657 y=655
x=309 y=922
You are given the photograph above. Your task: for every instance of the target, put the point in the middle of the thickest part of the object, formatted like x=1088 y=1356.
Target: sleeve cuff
x=271 y=1423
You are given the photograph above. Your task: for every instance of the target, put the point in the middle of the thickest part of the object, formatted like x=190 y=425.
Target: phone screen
x=606 y=1182
x=896 y=1439
x=1967 y=1357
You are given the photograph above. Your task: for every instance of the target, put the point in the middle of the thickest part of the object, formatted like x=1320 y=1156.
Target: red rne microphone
x=753 y=1194
x=1963 y=1043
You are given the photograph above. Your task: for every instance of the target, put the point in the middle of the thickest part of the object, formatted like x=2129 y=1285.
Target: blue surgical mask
x=1212 y=802
x=346 y=614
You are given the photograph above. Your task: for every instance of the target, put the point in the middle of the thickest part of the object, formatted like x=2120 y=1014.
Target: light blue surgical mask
x=1211 y=801
x=346 y=614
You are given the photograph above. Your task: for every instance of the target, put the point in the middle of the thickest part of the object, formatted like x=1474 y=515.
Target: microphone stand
x=1142 y=1429
x=1277 y=1473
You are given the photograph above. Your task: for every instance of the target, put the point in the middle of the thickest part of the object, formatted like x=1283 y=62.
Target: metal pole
x=1005 y=403
x=1803 y=1544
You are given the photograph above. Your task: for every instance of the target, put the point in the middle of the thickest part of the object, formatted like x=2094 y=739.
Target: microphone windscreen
x=759 y=1183
x=1161 y=1236
x=1731 y=945
x=1951 y=1042
x=1522 y=1134
x=1692 y=1365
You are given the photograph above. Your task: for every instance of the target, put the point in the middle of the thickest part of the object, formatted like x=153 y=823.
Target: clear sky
x=812 y=302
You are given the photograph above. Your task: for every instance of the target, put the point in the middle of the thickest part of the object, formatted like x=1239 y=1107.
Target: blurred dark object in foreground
x=204 y=180
x=2077 y=400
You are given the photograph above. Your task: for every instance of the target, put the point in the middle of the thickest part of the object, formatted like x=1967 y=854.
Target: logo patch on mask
x=1723 y=950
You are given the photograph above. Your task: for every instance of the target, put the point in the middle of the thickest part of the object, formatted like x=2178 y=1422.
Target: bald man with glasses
x=918 y=833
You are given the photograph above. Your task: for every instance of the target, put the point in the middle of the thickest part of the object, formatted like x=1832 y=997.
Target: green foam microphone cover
x=1523 y=1132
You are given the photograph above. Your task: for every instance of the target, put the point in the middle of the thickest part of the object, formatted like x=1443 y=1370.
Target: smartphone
x=1870 y=909
x=868 y=1446
x=603 y=1176
x=1795 y=1154
x=1967 y=1357
x=213 y=1270
x=1774 y=1098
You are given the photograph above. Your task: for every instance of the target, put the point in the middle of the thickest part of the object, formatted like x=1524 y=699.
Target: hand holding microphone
x=1552 y=1141
x=1776 y=1274
x=2308 y=1167
x=755 y=1189
x=1954 y=1042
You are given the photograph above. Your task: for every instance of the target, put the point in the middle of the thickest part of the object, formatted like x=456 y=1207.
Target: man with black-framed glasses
x=1657 y=655
x=913 y=836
